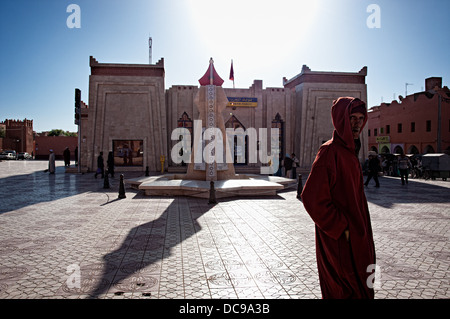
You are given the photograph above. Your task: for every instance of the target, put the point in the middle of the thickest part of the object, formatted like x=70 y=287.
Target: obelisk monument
x=210 y=150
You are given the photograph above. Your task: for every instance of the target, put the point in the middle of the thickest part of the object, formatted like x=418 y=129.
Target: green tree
x=56 y=132
x=59 y=132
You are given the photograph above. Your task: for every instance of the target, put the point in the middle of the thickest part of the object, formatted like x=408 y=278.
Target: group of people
x=101 y=165
x=290 y=164
x=66 y=156
x=100 y=162
x=375 y=166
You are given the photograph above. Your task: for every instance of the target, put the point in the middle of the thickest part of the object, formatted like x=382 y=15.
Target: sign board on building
x=242 y=102
x=383 y=139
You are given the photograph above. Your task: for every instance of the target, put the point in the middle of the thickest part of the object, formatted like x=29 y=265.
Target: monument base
x=242 y=185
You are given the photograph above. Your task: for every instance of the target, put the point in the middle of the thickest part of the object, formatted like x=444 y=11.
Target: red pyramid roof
x=206 y=79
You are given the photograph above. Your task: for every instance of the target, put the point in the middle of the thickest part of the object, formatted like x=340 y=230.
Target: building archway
x=374 y=149
x=185 y=122
x=240 y=151
x=428 y=149
x=385 y=150
x=398 y=150
x=278 y=122
x=413 y=150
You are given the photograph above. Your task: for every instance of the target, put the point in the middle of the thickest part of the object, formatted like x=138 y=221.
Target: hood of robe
x=341 y=110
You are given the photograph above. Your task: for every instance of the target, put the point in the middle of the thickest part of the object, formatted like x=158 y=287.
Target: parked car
x=23 y=155
x=8 y=155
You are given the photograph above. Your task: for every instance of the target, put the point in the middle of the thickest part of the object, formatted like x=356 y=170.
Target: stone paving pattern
x=57 y=229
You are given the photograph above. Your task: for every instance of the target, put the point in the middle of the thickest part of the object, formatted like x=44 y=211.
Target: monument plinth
x=210 y=158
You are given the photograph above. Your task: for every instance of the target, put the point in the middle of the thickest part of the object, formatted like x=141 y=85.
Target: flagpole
x=232 y=72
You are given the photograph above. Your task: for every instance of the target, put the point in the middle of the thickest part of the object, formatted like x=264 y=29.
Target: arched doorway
x=185 y=122
x=413 y=150
x=428 y=149
x=278 y=122
x=385 y=150
x=240 y=151
x=398 y=150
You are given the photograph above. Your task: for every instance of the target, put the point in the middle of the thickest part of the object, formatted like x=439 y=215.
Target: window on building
x=381 y=130
x=388 y=129
x=413 y=127
x=186 y=122
x=375 y=132
x=368 y=131
x=399 y=127
x=428 y=126
x=128 y=152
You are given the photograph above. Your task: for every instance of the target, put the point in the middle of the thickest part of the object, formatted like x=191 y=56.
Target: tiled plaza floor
x=65 y=236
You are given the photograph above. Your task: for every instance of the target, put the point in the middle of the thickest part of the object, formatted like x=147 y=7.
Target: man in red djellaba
x=334 y=197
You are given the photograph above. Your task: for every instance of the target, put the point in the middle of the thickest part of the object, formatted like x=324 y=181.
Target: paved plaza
x=66 y=236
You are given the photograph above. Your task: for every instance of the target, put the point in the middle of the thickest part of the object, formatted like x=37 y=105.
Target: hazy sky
x=42 y=60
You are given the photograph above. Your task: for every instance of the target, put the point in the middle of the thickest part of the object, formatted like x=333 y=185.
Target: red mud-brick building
x=418 y=124
x=18 y=136
x=43 y=145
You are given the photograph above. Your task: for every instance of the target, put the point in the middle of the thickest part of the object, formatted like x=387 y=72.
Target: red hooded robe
x=334 y=197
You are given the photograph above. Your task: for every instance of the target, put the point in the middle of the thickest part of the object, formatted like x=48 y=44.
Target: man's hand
x=347 y=234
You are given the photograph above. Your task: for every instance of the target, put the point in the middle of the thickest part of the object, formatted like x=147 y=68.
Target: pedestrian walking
x=374 y=168
x=100 y=166
x=295 y=163
x=66 y=155
x=51 y=163
x=287 y=163
x=334 y=197
x=110 y=163
x=404 y=164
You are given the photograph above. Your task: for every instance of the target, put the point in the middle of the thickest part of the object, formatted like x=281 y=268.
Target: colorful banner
x=383 y=139
x=242 y=102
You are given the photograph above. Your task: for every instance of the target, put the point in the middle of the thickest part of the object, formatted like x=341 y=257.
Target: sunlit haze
x=43 y=60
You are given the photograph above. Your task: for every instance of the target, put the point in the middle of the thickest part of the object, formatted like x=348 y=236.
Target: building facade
x=314 y=93
x=126 y=114
x=43 y=145
x=132 y=114
x=18 y=135
x=418 y=124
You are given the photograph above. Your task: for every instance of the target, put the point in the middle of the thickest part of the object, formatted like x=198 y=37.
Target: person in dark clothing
x=287 y=166
x=66 y=155
x=374 y=168
x=110 y=163
x=100 y=166
x=403 y=165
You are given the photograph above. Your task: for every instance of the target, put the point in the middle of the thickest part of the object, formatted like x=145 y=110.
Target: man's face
x=356 y=121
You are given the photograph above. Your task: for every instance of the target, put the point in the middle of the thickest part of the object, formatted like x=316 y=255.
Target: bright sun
x=251 y=30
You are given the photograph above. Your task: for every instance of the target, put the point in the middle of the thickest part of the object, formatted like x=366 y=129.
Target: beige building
x=314 y=94
x=132 y=114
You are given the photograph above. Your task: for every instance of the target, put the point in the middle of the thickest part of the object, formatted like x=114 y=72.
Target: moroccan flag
x=231 y=72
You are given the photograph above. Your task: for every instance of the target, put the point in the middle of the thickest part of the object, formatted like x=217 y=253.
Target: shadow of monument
x=135 y=266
